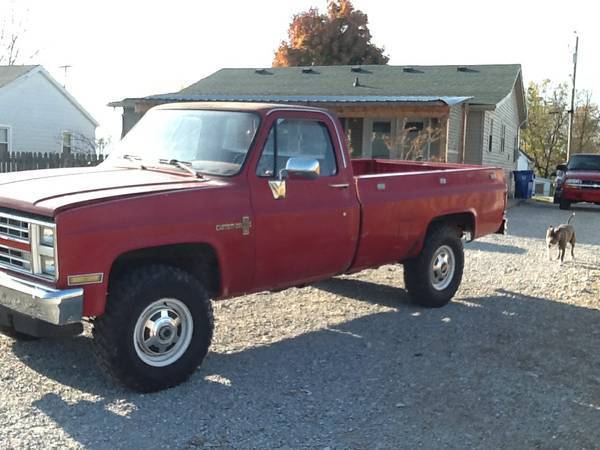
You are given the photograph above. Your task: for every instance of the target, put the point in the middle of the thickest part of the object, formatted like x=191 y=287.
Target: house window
x=503 y=138
x=67 y=142
x=414 y=126
x=4 y=139
x=491 y=135
x=381 y=139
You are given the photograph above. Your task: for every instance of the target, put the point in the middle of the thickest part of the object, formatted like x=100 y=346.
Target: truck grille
x=590 y=184
x=16 y=229
x=22 y=248
x=11 y=228
x=16 y=259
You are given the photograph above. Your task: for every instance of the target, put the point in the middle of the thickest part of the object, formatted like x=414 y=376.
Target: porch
x=406 y=132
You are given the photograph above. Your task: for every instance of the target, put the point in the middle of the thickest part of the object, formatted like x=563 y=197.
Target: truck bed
x=363 y=167
x=399 y=199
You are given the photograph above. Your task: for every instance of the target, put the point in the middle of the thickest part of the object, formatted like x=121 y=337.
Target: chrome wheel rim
x=442 y=268
x=163 y=332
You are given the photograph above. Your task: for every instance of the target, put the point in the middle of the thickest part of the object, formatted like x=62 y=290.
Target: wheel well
x=200 y=260
x=464 y=222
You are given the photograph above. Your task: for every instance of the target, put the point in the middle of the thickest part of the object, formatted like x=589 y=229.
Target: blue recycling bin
x=523 y=183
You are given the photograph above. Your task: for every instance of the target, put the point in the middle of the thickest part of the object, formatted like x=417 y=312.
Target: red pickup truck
x=208 y=201
x=578 y=181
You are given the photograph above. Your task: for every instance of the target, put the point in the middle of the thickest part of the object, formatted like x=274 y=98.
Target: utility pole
x=66 y=68
x=572 y=110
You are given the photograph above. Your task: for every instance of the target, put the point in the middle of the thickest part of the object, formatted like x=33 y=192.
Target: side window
x=67 y=142
x=266 y=164
x=297 y=138
x=4 y=139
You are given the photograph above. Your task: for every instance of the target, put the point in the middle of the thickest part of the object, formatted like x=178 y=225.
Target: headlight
x=47 y=265
x=573 y=182
x=43 y=250
x=47 y=236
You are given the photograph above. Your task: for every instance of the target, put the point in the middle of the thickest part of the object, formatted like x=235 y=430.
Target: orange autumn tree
x=339 y=37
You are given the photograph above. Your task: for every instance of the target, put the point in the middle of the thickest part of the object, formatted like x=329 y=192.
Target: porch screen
x=354 y=133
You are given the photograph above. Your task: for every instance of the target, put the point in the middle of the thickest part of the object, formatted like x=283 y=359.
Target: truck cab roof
x=238 y=106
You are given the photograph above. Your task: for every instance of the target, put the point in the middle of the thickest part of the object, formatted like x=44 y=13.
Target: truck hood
x=584 y=174
x=48 y=191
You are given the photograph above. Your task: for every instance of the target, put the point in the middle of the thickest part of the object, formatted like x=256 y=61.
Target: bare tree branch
x=12 y=30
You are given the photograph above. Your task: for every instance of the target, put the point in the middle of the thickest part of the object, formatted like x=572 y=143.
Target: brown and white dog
x=561 y=236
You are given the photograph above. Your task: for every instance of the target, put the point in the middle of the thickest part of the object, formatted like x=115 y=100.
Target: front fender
x=91 y=238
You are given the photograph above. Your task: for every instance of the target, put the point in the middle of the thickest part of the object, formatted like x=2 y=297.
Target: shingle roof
x=11 y=73
x=486 y=84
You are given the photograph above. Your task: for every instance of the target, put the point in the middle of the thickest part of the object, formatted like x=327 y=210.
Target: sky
x=133 y=48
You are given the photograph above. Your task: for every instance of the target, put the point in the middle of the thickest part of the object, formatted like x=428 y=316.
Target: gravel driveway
x=514 y=362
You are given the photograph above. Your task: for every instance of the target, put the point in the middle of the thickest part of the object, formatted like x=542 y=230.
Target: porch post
x=444 y=138
x=463 y=146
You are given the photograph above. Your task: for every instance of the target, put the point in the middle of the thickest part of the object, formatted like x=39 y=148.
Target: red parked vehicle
x=208 y=201
x=578 y=181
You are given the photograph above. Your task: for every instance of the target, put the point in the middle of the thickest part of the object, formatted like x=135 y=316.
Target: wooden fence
x=17 y=161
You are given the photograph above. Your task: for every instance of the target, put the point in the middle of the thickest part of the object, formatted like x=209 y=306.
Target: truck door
x=310 y=232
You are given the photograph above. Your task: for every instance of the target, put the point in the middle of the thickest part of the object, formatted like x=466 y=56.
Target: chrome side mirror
x=308 y=168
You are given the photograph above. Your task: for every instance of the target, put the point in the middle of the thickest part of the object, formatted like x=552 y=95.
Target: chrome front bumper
x=41 y=302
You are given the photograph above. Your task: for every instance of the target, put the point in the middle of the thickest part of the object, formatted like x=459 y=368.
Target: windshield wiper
x=184 y=165
x=135 y=158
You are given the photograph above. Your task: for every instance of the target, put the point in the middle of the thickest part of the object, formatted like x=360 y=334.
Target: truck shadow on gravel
x=366 y=291
x=504 y=370
x=496 y=248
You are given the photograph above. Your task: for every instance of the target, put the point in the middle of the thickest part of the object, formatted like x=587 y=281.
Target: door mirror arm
x=278 y=186
x=306 y=168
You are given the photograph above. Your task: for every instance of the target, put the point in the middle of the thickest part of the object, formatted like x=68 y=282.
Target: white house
x=524 y=161
x=38 y=115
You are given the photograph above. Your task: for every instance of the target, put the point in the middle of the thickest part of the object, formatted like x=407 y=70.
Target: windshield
x=211 y=142
x=584 y=162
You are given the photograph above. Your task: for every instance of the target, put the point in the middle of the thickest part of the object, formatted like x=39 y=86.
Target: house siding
x=474 y=138
x=38 y=113
x=506 y=114
x=455 y=125
x=130 y=118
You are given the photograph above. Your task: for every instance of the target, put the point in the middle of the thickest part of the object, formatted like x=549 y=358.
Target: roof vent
x=411 y=70
x=308 y=70
x=466 y=69
x=356 y=82
x=356 y=69
x=262 y=72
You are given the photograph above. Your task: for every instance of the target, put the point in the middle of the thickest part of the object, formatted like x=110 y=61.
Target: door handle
x=340 y=185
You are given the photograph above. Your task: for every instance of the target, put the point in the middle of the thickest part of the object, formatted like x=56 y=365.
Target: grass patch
x=543 y=198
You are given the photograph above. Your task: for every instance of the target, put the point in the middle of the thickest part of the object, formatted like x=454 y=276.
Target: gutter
x=278 y=98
